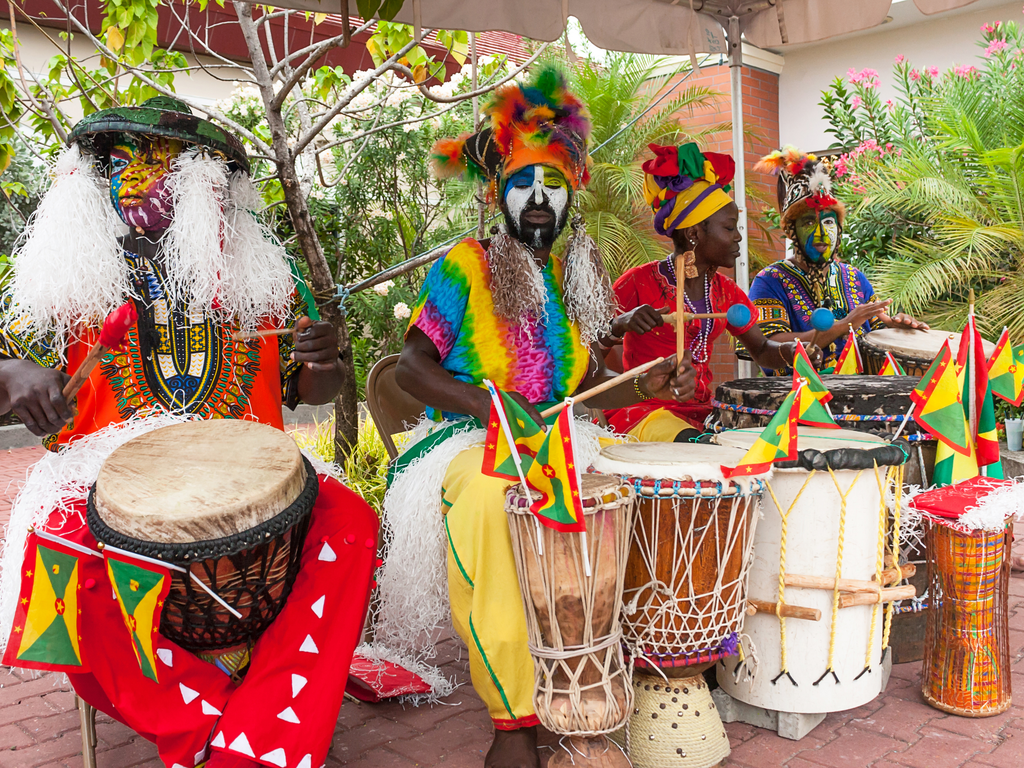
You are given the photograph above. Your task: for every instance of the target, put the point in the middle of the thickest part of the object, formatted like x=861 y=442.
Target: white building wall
x=940 y=41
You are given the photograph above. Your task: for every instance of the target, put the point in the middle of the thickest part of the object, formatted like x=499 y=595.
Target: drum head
x=813 y=438
x=668 y=461
x=919 y=345
x=199 y=481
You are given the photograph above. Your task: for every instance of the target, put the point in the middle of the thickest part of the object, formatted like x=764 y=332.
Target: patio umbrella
x=664 y=27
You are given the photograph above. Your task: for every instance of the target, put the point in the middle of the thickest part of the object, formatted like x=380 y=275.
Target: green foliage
x=617 y=92
x=365 y=467
x=21 y=186
x=386 y=9
x=935 y=179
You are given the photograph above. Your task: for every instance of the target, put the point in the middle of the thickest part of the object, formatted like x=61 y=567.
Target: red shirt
x=647 y=285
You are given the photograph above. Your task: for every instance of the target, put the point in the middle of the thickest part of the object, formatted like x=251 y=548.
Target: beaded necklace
x=699 y=346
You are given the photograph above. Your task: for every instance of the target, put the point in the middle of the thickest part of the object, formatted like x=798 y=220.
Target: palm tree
x=623 y=95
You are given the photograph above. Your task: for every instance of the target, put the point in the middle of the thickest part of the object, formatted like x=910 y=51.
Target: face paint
x=529 y=192
x=138 y=180
x=818 y=235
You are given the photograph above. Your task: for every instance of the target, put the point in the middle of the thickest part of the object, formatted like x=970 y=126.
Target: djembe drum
x=967 y=645
x=818 y=579
x=914 y=350
x=685 y=592
x=223 y=502
x=572 y=619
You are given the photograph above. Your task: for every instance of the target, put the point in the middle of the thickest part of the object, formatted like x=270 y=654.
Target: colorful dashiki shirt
x=649 y=284
x=544 y=360
x=172 y=360
x=785 y=299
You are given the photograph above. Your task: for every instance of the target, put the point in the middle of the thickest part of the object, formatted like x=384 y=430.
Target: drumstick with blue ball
x=738 y=316
x=821 y=320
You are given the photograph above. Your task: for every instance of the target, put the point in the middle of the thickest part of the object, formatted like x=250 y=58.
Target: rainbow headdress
x=684 y=186
x=534 y=123
x=804 y=183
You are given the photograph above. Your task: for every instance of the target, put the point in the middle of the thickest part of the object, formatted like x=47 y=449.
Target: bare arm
x=34 y=393
x=776 y=352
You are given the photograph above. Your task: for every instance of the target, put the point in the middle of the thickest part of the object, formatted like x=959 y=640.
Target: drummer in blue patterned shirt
x=787 y=292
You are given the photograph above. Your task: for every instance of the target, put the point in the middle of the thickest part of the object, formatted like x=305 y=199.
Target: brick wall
x=761 y=121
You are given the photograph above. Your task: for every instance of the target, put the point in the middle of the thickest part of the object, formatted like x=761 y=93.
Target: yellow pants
x=660 y=426
x=487 y=608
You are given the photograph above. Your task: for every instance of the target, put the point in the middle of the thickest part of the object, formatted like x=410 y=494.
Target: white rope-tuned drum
x=573 y=618
x=914 y=350
x=685 y=591
x=817 y=577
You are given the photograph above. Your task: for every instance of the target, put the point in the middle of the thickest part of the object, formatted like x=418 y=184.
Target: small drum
x=967 y=644
x=685 y=591
x=572 y=618
x=227 y=501
x=914 y=350
x=816 y=583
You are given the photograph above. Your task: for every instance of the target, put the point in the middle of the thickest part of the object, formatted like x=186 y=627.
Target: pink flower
x=996 y=46
x=914 y=75
x=855 y=102
x=988 y=29
x=965 y=71
x=853 y=75
x=889 y=104
x=900 y=58
x=869 y=73
x=840 y=166
x=932 y=71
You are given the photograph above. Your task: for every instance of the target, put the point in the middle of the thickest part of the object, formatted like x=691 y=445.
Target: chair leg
x=87 y=716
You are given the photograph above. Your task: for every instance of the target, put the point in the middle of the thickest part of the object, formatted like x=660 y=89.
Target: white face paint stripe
x=538 y=184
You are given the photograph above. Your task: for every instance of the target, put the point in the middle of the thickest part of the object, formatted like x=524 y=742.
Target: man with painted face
x=509 y=311
x=198 y=266
x=787 y=292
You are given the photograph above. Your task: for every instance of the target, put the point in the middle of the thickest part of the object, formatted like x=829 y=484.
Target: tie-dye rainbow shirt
x=545 y=362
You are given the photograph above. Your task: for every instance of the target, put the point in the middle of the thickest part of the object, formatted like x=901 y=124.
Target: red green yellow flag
x=974 y=384
x=1006 y=370
x=802 y=366
x=849 y=361
x=952 y=466
x=140 y=591
x=776 y=443
x=891 y=367
x=508 y=418
x=46 y=621
x=555 y=475
x=938 y=404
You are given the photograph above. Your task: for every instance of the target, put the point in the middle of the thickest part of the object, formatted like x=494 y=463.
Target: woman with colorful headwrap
x=688 y=193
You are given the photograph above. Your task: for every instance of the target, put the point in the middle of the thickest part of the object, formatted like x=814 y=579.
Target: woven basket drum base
x=674 y=724
x=583 y=752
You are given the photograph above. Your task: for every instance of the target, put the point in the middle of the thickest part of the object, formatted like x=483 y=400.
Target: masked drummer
x=510 y=311
x=688 y=192
x=170 y=176
x=787 y=292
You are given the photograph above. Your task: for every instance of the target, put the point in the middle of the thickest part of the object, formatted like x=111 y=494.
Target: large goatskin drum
x=914 y=350
x=833 y=663
x=685 y=591
x=227 y=503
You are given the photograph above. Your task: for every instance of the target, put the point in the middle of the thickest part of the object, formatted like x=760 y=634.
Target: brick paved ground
x=39 y=723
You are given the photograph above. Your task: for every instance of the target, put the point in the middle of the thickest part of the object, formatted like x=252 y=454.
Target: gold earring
x=690 y=264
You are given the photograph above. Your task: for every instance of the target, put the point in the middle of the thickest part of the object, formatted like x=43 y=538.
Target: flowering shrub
x=931 y=180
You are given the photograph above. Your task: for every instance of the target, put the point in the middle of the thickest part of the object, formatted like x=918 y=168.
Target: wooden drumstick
x=788 y=611
x=250 y=335
x=670 y=319
x=605 y=386
x=680 y=308
x=115 y=327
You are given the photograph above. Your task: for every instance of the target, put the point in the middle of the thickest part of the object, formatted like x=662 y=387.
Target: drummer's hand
x=903 y=320
x=36 y=395
x=788 y=351
x=665 y=382
x=864 y=312
x=527 y=406
x=640 y=320
x=316 y=345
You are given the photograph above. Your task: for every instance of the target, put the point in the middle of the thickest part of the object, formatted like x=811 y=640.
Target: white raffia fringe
x=57 y=482
x=217 y=252
x=413 y=582
x=995 y=509
x=68 y=270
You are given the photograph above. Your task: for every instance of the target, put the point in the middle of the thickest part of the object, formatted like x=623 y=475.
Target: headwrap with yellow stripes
x=685 y=186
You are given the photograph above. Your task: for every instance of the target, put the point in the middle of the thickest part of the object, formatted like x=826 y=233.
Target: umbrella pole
x=740 y=181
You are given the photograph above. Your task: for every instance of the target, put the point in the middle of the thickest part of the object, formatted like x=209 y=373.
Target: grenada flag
x=555 y=475
x=892 y=367
x=939 y=404
x=849 y=361
x=973 y=372
x=776 y=443
x=814 y=384
x=1006 y=370
x=140 y=591
x=509 y=426
x=46 y=620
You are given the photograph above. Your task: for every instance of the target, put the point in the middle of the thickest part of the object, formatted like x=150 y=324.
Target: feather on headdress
x=536 y=123
x=804 y=183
